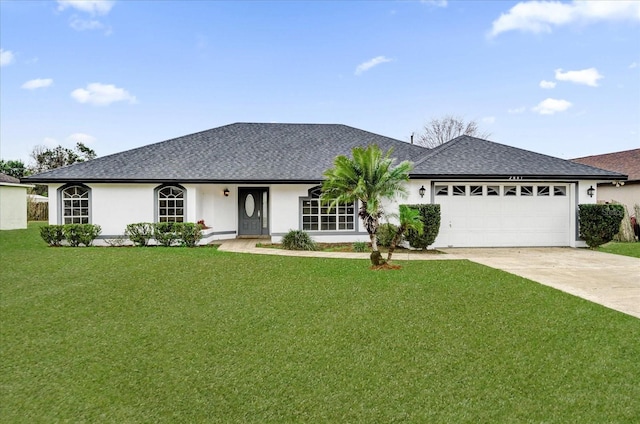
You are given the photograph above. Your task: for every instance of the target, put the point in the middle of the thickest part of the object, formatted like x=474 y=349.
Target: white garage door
x=502 y=215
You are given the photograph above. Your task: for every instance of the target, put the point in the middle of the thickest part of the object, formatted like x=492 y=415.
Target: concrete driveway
x=604 y=278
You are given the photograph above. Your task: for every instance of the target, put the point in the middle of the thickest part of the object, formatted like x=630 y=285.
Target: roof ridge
x=438 y=149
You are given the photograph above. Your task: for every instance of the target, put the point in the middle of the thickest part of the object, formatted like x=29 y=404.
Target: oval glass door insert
x=249 y=205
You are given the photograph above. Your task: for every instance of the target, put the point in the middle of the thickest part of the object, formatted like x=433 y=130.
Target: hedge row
x=74 y=234
x=599 y=223
x=165 y=233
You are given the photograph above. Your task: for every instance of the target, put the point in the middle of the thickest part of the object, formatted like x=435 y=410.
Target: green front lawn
x=626 y=249
x=181 y=335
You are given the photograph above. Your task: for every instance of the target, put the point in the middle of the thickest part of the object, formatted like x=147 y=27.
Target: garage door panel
x=521 y=220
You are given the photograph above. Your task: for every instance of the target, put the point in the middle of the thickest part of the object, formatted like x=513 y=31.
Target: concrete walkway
x=607 y=279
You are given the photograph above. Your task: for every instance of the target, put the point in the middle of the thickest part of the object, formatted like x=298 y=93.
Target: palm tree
x=410 y=219
x=368 y=177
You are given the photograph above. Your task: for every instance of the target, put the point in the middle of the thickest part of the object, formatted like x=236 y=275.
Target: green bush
x=190 y=233
x=72 y=234
x=88 y=233
x=430 y=215
x=52 y=234
x=599 y=223
x=359 y=246
x=298 y=240
x=139 y=233
x=386 y=233
x=166 y=233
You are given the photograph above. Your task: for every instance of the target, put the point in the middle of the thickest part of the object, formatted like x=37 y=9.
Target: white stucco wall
x=13 y=206
x=113 y=206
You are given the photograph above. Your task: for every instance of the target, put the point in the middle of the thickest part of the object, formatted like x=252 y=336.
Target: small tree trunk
x=376 y=256
x=394 y=242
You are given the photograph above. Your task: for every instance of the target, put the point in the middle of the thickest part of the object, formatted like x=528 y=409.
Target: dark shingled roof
x=258 y=152
x=625 y=162
x=466 y=156
x=4 y=178
x=237 y=152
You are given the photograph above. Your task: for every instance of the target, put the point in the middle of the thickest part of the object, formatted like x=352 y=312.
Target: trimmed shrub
x=430 y=215
x=599 y=223
x=72 y=234
x=88 y=233
x=52 y=234
x=386 y=233
x=166 y=233
x=298 y=240
x=189 y=233
x=359 y=246
x=139 y=233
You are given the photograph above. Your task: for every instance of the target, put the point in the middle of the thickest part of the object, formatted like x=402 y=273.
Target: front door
x=253 y=212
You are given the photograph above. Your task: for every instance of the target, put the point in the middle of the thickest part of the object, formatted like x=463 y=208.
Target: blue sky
x=560 y=78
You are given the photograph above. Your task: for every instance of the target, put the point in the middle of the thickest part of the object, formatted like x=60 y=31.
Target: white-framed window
x=170 y=201
x=475 y=190
x=75 y=201
x=442 y=190
x=317 y=216
x=459 y=190
x=526 y=190
x=559 y=190
x=493 y=190
x=510 y=190
x=543 y=190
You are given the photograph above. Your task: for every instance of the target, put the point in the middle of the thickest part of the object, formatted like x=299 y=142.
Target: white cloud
x=83 y=138
x=85 y=24
x=489 y=119
x=436 y=3
x=547 y=84
x=517 y=110
x=550 y=106
x=365 y=66
x=588 y=77
x=633 y=65
x=37 y=83
x=93 y=7
x=101 y=94
x=542 y=16
x=6 y=57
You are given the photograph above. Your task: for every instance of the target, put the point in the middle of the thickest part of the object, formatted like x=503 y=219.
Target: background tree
x=368 y=177
x=46 y=159
x=14 y=168
x=439 y=131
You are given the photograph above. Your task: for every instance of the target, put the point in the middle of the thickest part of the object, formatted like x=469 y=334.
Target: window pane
x=476 y=190
x=459 y=190
x=442 y=190
x=543 y=190
x=493 y=190
x=526 y=191
x=559 y=191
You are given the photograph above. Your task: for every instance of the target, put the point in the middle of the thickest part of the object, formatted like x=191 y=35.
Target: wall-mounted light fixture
x=422 y=191
x=226 y=192
x=590 y=191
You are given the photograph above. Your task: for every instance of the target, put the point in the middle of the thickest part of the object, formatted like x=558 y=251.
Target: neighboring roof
x=258 y=152
x=466 y=156
x=625 y=162
x=238 y=152
x=4 y=178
